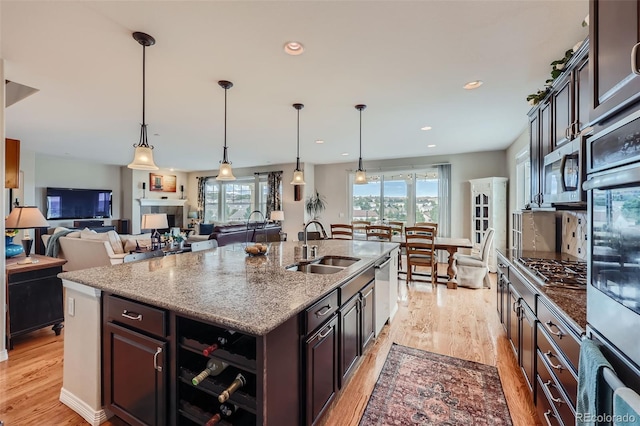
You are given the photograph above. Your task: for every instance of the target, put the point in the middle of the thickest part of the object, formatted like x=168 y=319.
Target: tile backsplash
x=574 y=233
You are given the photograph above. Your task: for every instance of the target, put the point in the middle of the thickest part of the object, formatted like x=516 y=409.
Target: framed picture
x=162 y=183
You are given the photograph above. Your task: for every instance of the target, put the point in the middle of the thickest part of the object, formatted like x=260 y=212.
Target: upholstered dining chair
x=420 y=249
x=341 y=231
x=360 y=226
x=378 y=232
x=473 y=269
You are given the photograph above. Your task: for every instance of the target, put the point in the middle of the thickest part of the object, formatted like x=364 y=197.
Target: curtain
x=444 y=203
x=202 y=180
x=274 y=196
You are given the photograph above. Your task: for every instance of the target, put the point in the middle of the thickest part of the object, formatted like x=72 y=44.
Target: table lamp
x=26 y=217
x=193 y=216
x=277 y=216
x=154 y=222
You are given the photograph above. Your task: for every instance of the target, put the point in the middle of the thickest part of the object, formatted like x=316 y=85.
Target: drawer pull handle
x=546 y=416
x=548 y=355
x=634 y=59
x=155 y=359
x=556 y=400
x=323 y=335
x=324 y=311
x=558 y=333
x=502 y=265
x=132 y=315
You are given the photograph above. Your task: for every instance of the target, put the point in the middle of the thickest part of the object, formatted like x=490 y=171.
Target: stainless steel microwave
x=564 y=172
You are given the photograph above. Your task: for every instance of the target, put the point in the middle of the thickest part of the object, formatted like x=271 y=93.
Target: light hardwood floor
x=462 y=323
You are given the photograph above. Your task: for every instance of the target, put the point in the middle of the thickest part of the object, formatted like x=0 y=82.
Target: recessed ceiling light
x=345 y=154
x=473 y=84
x=319 y=141
x=293 y=48
x=431 y=146
x=426 y=128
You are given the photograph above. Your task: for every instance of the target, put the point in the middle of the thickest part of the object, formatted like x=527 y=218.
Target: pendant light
x=225 y=172
x=361 y=177
x=143 y=157
x=298 y=175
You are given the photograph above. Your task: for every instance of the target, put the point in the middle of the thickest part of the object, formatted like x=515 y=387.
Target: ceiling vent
x=15 y=92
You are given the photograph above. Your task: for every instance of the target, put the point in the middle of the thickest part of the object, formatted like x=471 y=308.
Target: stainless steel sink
x=337 y=261
x=315 y=268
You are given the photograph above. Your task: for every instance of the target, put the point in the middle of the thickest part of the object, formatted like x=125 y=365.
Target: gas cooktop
x=558 y=273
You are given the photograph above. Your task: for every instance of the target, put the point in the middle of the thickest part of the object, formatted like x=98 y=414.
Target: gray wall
x=331 y=181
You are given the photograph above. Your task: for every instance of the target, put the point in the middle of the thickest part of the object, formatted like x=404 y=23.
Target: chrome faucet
x=305 y=247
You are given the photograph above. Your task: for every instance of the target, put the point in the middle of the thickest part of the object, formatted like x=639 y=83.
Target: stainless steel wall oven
x=613 y=202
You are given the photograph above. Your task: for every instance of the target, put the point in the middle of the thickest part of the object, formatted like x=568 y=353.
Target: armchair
x=473 y=269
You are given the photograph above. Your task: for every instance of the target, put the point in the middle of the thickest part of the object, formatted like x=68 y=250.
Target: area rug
x=422 y=388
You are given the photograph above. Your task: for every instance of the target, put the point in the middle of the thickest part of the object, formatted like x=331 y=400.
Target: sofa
x=88 y=249
x=226 y=234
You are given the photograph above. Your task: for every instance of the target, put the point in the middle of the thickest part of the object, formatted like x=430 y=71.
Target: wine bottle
x=214 y=420
x=213 y=368
x=226 y=338
x=237 y=383
x=208 y=350
x=227 y=410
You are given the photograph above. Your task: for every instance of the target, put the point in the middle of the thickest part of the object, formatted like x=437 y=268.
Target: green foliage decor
x=315 y=204
x=557 y=68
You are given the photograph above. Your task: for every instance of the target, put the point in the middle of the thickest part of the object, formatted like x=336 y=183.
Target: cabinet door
x=322 y=370
x=135 y=387
x=12 y=163
x=562 y=111
x=613 y=32
x=35 y=300
x=534 y=155
x=528 y=344
x=349 y=337
x=513 y=330
x=581 y=97
x=368 y=329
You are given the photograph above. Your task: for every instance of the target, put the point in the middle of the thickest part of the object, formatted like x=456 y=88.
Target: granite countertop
x=573 y=303
x=226 y=286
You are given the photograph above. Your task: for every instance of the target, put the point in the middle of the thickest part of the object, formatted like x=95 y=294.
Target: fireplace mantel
x=161 y=202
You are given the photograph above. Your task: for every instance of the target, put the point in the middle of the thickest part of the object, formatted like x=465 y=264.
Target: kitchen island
x=294 y=336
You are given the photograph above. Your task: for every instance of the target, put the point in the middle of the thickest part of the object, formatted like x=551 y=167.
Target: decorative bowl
x=256 y=249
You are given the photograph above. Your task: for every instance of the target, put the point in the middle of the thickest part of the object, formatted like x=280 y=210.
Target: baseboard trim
x=4 y=355
x=94 y=418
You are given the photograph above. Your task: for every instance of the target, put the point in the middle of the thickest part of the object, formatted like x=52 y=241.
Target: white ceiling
x=407 y=60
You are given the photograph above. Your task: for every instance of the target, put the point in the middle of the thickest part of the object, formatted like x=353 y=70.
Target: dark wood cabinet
x=135 y=376
x=513 y=329
x=368 y=330
x=321 y=351
x=540 y=131
x=528 y=344
x=614 y=31
x=562 y=116
x=350 y=340
x=34 y=295
x=12 y=163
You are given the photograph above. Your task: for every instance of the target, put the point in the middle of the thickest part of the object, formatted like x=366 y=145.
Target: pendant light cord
x=298 y=144
x=360 y=157
x=143 y=128
x=224 y=154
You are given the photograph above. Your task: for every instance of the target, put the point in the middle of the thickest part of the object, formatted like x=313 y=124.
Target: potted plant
x=315 y=205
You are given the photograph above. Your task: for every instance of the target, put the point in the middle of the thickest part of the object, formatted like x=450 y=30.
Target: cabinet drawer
x=352 y=287
x=559 y=333
x=503 y=265
x=554 y=394
x=136 y=315
x=519 y=283
x=545 y=412
x=37 y=274
x=559 y=366
x=321 y=311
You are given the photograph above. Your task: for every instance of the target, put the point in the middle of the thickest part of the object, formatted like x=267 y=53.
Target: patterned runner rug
x=422 y=388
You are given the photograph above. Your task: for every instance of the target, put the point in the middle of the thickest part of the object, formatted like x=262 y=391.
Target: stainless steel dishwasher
x=383 y=282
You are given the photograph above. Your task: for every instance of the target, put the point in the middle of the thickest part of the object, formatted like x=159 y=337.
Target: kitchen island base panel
x=91 y=416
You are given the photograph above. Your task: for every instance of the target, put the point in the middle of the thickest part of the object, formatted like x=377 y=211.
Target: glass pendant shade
x=298 y=174
x=298 y=177
x=143 y=156
x=361 y=177
x=225 y=172
x=143 y=159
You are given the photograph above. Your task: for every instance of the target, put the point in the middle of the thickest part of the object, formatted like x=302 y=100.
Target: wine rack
x=197 y=404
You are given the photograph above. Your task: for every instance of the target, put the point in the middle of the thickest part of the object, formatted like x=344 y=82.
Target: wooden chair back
x=427 y=224
x=133 y=257
x=204 y=245
x=378 y=232
x=397 y=228
x=360 y=226
x=420 y=249
x=341 y=231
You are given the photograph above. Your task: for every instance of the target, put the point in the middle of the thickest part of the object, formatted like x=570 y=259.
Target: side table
x=34 y=295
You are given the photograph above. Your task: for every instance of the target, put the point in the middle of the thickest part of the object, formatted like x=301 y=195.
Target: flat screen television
x=71 y=203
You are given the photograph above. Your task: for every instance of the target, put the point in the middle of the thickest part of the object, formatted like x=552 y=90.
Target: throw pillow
x=111 y=236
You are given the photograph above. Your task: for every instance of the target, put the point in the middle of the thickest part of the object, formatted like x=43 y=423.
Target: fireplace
x=174 y=209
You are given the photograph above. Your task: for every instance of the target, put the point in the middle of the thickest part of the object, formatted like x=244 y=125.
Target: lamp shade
x=143 y=159
x=225 y=172
x=193 y=215
x=154 y=221
x=25 y=217
x=277 y=215
x=298 y=178
x=361 y=177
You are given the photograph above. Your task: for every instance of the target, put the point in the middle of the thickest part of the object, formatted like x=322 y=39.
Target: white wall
x=332 y=181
